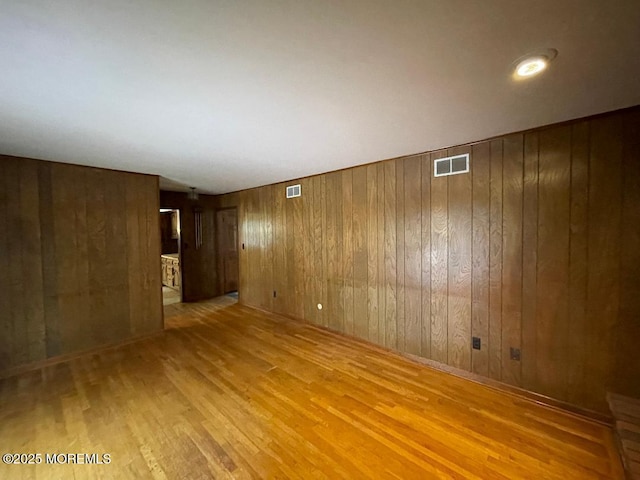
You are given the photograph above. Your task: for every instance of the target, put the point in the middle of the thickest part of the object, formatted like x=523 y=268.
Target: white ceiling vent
x=451 y=165
x=293 y=191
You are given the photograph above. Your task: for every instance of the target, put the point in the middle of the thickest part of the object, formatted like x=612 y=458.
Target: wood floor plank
x=232 y=392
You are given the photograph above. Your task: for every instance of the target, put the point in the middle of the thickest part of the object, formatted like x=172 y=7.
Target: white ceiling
x=228 y=94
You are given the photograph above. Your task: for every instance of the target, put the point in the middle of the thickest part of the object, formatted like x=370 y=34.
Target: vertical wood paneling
x=254 y=249
x=81 y=288
x=603 y=287
x=13 y=272
x=323 y=247
x=372 y=250
x=439 y=265
x=307 y=234
x=259 y=208
x=153 y=298
x=247 y=284
x=49 y=263
x=71 y=260
x=266 y=262
x=524 y=252
x=6 y=319
x=338 y=279
x=459 y=268
x=133 y=248
x=360 y=257
x=412 y=254
x=400 y=245
x=298 y=258
x=270 y=250
x=425 y=256
x=150 y=252
x=318 y=202
x=381 y=285
x=552 y=306
x=244 y=283
x=390 y=252
x=115 y=243
x=290 y=249
x=31 y=259
x=347 y=244
x=481 y=158
x=578 y=267
x=495 y=262
x=513 y=171
x=280 y=255
x=248 y=240
x=628 y=326
x=529 y=260
x=334 y=250
x=266 y=199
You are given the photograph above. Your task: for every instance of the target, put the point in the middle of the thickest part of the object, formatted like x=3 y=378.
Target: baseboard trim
x=549 y=402
x=48 y=362
x=517 y=391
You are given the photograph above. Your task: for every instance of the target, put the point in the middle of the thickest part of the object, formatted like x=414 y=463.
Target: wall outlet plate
x=476 y=342
x=515 y=354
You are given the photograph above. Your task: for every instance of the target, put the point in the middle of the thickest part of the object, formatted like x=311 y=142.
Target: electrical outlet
x=476 y=343
x=274 y=294
x=515 y=354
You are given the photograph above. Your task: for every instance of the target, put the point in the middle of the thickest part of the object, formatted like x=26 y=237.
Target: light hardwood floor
x=170 y=296
x=230 y=392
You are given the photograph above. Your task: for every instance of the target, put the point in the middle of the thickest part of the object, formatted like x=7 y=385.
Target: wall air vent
x=451 y=165
x=293 y=191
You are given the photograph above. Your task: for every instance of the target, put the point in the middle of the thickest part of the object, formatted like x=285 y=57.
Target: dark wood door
x=227 y=227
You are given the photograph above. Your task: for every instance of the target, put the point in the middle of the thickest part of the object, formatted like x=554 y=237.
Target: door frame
x=180 y=262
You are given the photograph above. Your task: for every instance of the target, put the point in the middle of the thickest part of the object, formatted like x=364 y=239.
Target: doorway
x=170 y=256
x=227 y=240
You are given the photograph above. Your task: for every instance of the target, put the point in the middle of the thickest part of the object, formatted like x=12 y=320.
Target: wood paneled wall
x=79 y=256
x=535 y=249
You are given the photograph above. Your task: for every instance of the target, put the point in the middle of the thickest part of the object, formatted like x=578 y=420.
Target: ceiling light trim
x=533 y=63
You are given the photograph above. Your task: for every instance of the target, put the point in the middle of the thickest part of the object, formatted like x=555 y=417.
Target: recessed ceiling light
x=534 y=63
x=531 y=66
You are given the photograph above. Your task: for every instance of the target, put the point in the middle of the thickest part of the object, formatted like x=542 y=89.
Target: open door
x=170 y=258
x=227 y=228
